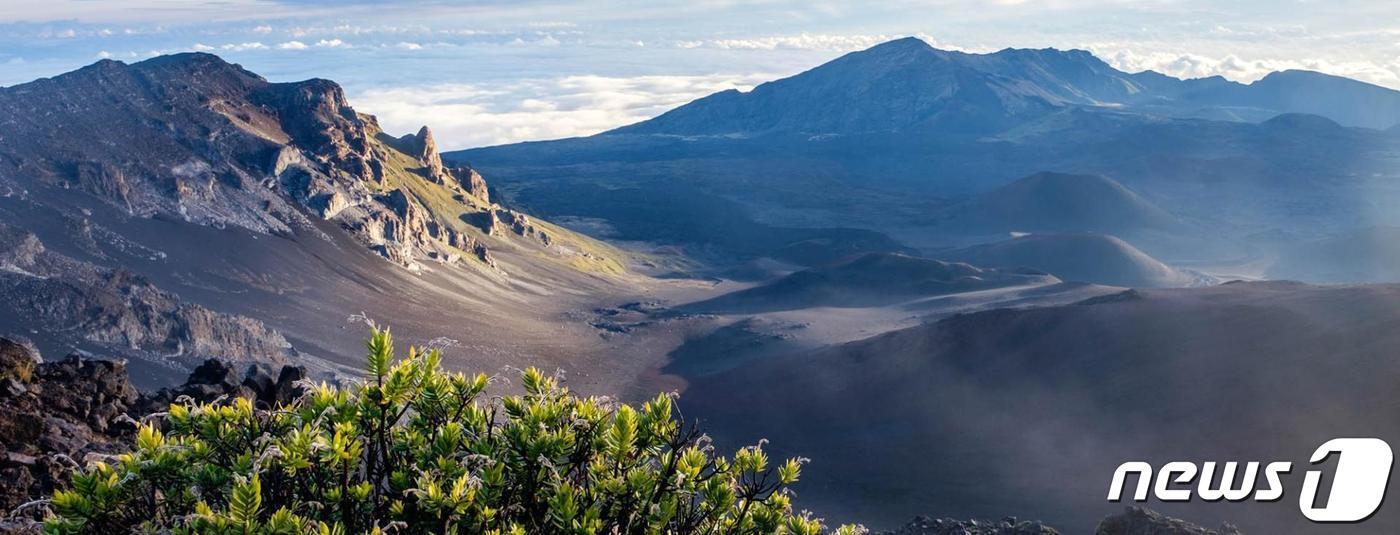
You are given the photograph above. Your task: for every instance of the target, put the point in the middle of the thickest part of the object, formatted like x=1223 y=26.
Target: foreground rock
x=1132 y=521
x=55 y=416
x=923 y=525
x=1139 y=521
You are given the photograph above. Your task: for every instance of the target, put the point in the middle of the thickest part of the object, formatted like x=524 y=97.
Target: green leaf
x=246 y=501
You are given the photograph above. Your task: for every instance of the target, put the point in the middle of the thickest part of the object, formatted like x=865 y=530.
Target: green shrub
x=414 y=449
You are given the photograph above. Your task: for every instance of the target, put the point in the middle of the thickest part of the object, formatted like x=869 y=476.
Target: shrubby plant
x=413 y=449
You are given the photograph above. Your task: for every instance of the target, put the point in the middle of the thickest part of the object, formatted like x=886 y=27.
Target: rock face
x=57 y=415
x=53 y=292
x=520 y=224
x=1139 y=521
x=211 y=143
x=471 y=181
x=422 y=147
x=923 y=525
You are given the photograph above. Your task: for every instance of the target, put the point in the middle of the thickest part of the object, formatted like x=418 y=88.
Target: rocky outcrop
x=1133 y=521
x=923 y=525
x=55 y=416
x=317 y=119
x=211 y=143
x=216 y=379
x=520 y=224
x=471 y=181
x=424 y=148
x=1139 y=521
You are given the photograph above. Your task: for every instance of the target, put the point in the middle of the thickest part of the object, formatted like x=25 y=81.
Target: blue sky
x=488 y=72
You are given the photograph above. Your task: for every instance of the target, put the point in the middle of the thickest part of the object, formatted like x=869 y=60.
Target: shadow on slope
x=870 y=280
x=1060 y=202
x=709 y=225
x=1032 y=410
x=1083 y=257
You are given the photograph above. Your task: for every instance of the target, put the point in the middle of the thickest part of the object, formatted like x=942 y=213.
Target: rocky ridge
x=115 y=308
x=214 y=144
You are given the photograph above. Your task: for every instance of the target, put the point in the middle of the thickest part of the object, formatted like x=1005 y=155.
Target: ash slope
x=1062 y=202
x=1032 y=410
x=869 y=280
x=277 y=201
x=1079 y=257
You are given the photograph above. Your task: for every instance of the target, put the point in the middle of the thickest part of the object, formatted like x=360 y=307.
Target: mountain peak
x=903 y=43
x=899 y=51
x=907 y=85
x=900 y=85
x=195 y=64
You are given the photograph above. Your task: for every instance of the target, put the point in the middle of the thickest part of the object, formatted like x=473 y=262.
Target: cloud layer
x=469 y=115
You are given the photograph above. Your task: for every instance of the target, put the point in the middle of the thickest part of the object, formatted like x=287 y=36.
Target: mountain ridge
x=979 y=92
x=200 y=194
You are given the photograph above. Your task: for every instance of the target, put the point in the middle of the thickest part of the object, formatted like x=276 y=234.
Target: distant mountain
x=916 y=143
x=1061 y=202
x=896 y=86
x=906 y=85
x=1346 y=101
x=196 y=193
x=870 y=280
x=1079 y=257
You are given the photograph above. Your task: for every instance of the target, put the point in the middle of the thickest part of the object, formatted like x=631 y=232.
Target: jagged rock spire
x=427 y=152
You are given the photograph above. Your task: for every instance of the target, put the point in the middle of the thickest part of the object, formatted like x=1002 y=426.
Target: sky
x=501 y=71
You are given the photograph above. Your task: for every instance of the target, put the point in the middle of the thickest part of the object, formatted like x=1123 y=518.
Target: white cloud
x=801 y=42
x=331 y=43
x=66 y=33
x=409 y=46
x=201 y=47
x=470 y=115
x=240 y=47
x=263 y=29
x=292 y=45
x=808 y=41
x=1186 y=65
x=104 y=54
